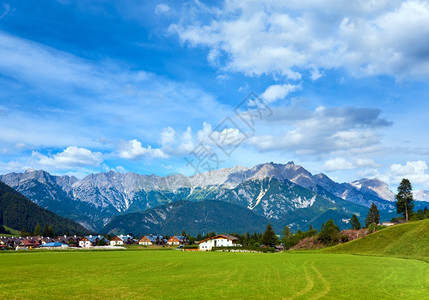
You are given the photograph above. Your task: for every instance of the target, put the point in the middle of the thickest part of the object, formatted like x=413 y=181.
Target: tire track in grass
x=325 y=284
x=308 y=279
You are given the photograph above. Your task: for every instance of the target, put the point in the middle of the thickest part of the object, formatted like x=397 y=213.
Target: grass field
x=176 y=274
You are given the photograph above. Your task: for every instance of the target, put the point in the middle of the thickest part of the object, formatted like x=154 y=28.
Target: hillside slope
x=17 y=211
x=409 y=240
x=193 y=217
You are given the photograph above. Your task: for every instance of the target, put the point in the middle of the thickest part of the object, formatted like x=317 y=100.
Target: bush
x=374 y=227
x=344 y=238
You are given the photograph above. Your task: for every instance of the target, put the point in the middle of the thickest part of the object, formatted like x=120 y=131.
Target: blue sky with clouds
x=141 y=85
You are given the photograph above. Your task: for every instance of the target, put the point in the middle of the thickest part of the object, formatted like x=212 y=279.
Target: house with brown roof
x=28 y=244
x=120 y=240
x=221 y=240
x=90 y=241
x=176 y=240
x=146 y=241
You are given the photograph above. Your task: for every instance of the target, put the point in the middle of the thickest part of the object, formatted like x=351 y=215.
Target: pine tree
x=354 y=221
x=37 y=230
x=46 y=230
x=373 y=215
x=404 y=199
x=51 y=232
x=23 y=233
x=269 y=237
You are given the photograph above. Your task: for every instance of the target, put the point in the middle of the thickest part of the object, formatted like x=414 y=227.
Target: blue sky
x=141 y=85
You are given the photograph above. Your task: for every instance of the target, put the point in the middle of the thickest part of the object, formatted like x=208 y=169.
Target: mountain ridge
x=99 y=197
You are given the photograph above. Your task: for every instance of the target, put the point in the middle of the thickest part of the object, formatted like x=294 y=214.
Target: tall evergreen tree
x=404 y=199
x=373 y=215
x=354 y=221
x=23 y=233
x=51 y=232
x=269 y=237
x=46 y=230
x=37 y=230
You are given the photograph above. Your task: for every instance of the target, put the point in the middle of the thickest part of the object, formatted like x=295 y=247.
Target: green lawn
x=196 y=275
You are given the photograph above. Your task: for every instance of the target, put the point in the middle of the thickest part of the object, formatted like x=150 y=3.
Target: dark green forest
x=18 y=212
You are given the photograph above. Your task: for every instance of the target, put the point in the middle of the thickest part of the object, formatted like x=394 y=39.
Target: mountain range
x=283 y=194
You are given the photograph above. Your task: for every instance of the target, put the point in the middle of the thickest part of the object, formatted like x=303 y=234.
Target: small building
x=91 y=241
x=221 y=240
x=27 y=244
x=176 y=240
x=387 y=224
x=120 y=240
x=147 y=240
x=54 y=245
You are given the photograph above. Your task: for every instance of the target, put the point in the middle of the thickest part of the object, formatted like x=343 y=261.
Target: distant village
x=101 y=242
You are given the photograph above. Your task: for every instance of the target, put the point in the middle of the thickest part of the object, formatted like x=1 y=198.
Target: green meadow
x=209 y=275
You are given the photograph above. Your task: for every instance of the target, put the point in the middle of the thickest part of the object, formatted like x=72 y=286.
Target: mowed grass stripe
x=196 y=275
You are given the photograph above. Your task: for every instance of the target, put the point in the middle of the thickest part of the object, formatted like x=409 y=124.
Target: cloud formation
x=279 y=91
x=415 y=171
x=325 y=131
x=285 y=37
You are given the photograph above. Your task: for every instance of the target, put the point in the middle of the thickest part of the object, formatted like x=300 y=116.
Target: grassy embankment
x=410 y=240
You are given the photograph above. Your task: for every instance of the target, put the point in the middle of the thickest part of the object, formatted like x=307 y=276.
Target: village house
x=176 y=240
x=221 y=240
x=146 y=240
x=149 y=240
x=91 y=241
x=27 y=244
x=120 y=240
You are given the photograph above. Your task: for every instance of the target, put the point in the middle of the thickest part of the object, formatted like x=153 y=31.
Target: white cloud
x=339 y=163
x=71 y=157
x=133 y=150
x=415 y=171
x=103 y=95
x=324 y=131
x=316 y=74
x=277 y=92
x=162 y=9
x=281 y=37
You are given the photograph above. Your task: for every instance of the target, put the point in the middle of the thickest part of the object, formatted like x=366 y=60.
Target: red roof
x=219 y=236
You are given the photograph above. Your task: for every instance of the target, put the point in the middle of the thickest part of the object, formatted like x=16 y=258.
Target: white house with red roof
x=221 y=240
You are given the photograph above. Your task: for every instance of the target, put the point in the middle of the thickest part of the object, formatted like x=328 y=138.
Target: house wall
x=116 y=243
x=145 y=243
x=172 y=241
x=85 y=244
x=220 y=242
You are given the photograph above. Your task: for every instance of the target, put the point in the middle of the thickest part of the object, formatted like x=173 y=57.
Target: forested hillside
x=16 y=211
